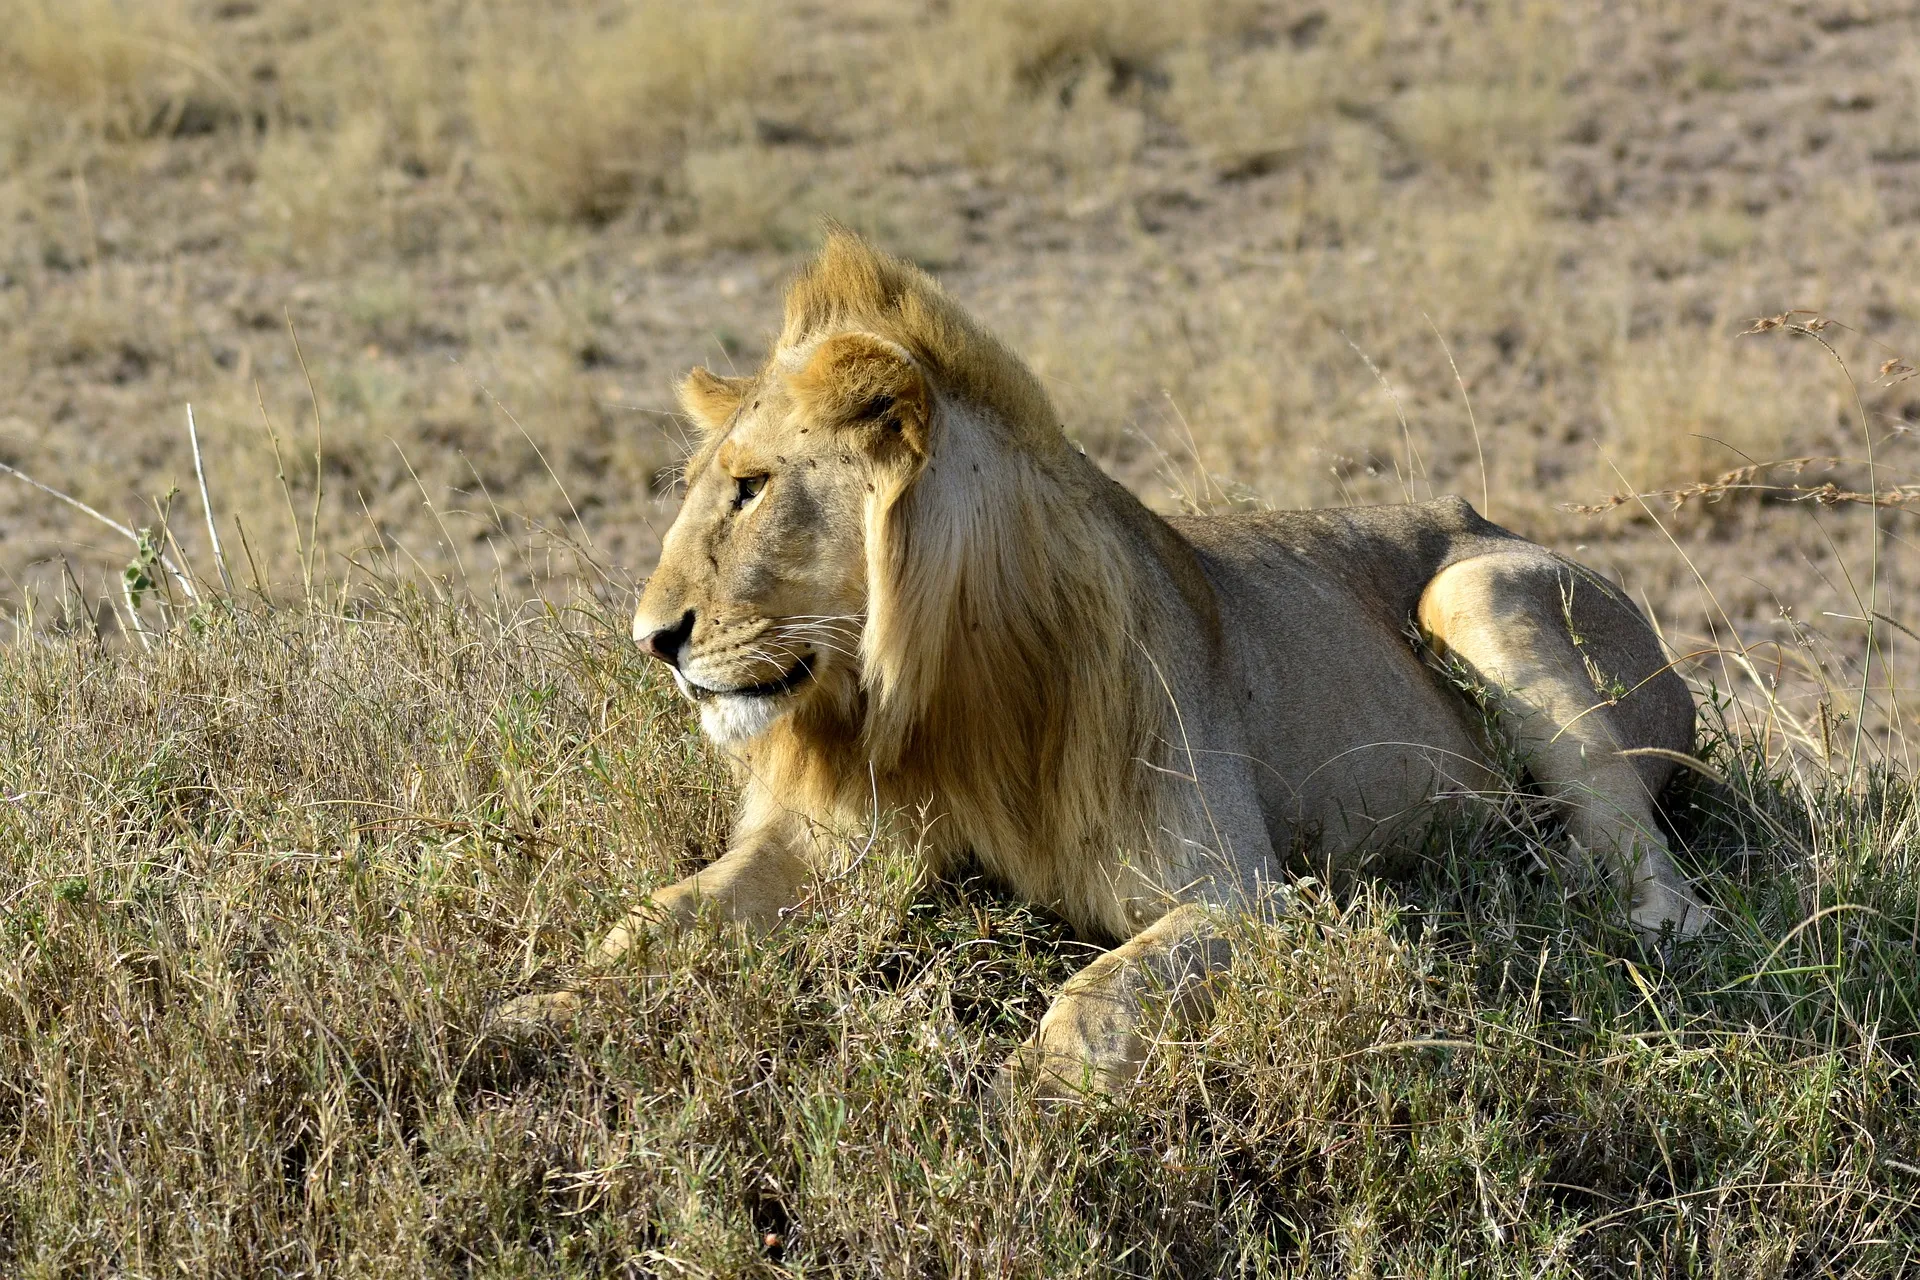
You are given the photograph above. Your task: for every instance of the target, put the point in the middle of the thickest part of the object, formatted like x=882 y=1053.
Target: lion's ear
x=865 y=384
x=710 y=399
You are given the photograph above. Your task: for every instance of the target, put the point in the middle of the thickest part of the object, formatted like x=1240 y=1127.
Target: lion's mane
x=1007 y=687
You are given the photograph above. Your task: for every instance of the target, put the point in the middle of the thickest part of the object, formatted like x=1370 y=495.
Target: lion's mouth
x=801 y=672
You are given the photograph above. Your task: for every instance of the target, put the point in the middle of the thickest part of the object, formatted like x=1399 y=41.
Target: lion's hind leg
x=1575 y=677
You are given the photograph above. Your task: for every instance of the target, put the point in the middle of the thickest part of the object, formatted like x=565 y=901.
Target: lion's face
x=759 y=598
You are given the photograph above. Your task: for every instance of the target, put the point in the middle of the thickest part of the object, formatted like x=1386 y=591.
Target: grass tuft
x=109 y=67
x=576 y=111
x=321 y=845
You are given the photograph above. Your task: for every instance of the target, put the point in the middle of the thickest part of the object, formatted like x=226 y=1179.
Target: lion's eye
x=746 y=489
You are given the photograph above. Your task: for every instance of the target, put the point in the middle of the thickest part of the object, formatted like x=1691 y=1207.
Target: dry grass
x=429 y=180
x=1265 y=108
x=246 y=1017
x=262 y=885
x=574 y=111
x=315 y=190
x=1496 y=95
x=1702 y=405
x=109 y=68
x=1063 y=87
x=563 y=112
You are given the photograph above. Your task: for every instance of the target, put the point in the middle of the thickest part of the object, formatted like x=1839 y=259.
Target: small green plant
x=138 y=577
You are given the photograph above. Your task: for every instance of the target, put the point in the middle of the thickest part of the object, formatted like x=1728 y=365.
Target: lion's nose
x=665 y=644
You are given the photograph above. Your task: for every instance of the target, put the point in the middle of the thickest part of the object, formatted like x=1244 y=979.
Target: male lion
x=894 y=581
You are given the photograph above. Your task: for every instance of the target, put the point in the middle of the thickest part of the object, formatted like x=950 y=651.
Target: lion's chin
x=730 y=717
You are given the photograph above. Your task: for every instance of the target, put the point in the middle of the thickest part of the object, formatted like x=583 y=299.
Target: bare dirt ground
x=1264 y=252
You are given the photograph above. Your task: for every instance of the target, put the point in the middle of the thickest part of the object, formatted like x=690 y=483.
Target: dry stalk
x=166 y=562
x=206 y=504
x=1749 y=479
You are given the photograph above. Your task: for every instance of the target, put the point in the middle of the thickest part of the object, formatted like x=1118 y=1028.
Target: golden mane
x=1003 y=658
x=852 y=285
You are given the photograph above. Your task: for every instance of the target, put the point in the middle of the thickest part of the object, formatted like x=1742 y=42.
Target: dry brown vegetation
x=425 y=272
x=264 y=885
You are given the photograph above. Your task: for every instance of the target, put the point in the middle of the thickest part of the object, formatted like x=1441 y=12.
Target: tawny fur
x=894 y=579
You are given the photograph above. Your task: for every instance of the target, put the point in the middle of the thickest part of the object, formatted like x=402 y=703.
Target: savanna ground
x=425 y=273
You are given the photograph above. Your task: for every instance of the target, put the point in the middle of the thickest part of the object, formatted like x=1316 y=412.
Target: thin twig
x=186 y=562
x=1486 y=503
x=1414 y=460
x=79 y=595
x=319 y=438
x=537 y=450
x=1814 y=326
x=1749 y=479
x=206 y=504
x=253 y=566
x=106 y=520
x=286 y=489
x=134 y=624
x=453 y=548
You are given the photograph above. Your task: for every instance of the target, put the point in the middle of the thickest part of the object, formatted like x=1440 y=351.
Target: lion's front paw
x=1659 y=906
x=541 y=1009
x=1087 y=1046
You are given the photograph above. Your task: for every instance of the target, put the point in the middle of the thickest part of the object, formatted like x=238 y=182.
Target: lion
x=895 y=583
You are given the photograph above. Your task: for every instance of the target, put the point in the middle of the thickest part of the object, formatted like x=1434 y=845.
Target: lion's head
x=888 y=546
x=760 y=596
x=894 y=579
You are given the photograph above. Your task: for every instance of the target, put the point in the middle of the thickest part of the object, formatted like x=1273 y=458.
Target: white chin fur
x=726 y=718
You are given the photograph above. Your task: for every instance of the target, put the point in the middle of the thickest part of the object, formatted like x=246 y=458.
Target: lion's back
x=1383 y=556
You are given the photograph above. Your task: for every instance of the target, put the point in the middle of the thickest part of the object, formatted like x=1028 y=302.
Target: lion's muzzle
x=664 y=643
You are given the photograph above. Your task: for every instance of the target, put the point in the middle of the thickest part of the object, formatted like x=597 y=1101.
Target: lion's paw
x=542 y=1009
x=1660 y=909
x=1087 y=1047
